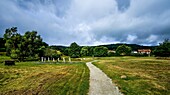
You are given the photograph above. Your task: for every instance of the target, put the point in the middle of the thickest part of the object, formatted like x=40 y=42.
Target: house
x=144 y=51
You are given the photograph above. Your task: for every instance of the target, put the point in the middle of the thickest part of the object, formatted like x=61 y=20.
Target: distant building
x=134 y=52
x=144 y=51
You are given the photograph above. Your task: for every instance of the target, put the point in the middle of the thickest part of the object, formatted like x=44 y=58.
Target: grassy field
x=145 y=76
x=3 y=58
x=44 y=79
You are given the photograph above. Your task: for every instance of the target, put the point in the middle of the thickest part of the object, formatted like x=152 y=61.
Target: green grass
x=145 y=75
x=47 y=79
x=3 y=58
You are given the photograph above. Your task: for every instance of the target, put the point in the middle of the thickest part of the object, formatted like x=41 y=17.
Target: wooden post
x=48 y=59
x=42 y=59
x=58 y=59
x=53 y=59
x=69 y=59
x=64 y=60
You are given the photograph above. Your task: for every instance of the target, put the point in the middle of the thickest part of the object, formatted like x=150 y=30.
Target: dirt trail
x=100 y=83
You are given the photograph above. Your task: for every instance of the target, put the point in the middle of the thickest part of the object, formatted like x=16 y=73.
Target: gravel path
x=100 y=83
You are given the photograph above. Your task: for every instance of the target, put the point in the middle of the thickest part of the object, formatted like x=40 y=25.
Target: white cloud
x=91 y=9
x=131 y=38
x=152 y=38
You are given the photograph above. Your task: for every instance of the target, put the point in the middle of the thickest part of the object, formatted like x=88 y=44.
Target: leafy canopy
x=100 y=51
x=85 y=51
x=123 y=50
x=163 y=50
x=23 y=46
x=74 y=50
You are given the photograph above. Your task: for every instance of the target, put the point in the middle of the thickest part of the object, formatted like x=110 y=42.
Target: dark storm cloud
x=89 y=22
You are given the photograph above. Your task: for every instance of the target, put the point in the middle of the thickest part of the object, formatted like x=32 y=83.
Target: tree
x=100 y=51
x=66 y=51
x=33 y=41
x=11 y=37
x=123 y=50
x=84 y=51
x=74 y=50
x=22 y=47
x=2 y=45
x=91 y=51
x=163 y=50
x=52 y=53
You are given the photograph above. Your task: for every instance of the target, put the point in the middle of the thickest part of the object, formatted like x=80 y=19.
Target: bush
x=31 y=59
x=3 y=53
x=111 y=54
x=2 y=49
x=100 y=51
x=139 y=55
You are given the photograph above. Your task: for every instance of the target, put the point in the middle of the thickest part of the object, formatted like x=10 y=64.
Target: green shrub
x=3 y=53
x=139 y=55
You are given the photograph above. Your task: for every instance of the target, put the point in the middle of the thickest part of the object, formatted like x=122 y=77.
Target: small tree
x=74 y=50
x=123 y=50
x=51 y=53
x=100 y=51
x=163 y=50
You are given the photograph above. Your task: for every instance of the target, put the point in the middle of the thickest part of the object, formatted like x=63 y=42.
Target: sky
x=89 y=22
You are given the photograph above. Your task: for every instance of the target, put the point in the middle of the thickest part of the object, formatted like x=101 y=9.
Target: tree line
x=30 y=46
x=163 y=50
x=77 y=51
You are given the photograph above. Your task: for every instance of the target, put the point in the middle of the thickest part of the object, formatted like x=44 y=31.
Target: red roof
x=144 y=50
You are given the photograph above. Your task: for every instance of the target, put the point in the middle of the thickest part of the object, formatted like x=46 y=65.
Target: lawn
x=44 y=79
x=144 y=75
x=3 y=58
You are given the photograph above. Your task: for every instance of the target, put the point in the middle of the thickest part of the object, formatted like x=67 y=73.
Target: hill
x=133 y=46
x=110 y=46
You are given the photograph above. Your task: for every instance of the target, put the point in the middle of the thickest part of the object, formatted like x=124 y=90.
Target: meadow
x=3 y=58
x=142 y=75
x=44 y=79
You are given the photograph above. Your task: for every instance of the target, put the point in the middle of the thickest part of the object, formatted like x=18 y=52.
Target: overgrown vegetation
x=163 y=50
x=74 y=50
x=3 y=58
x=144 y=76
x=44 y=79
x=20 y=47
x=100 y=51
x=123 y=50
